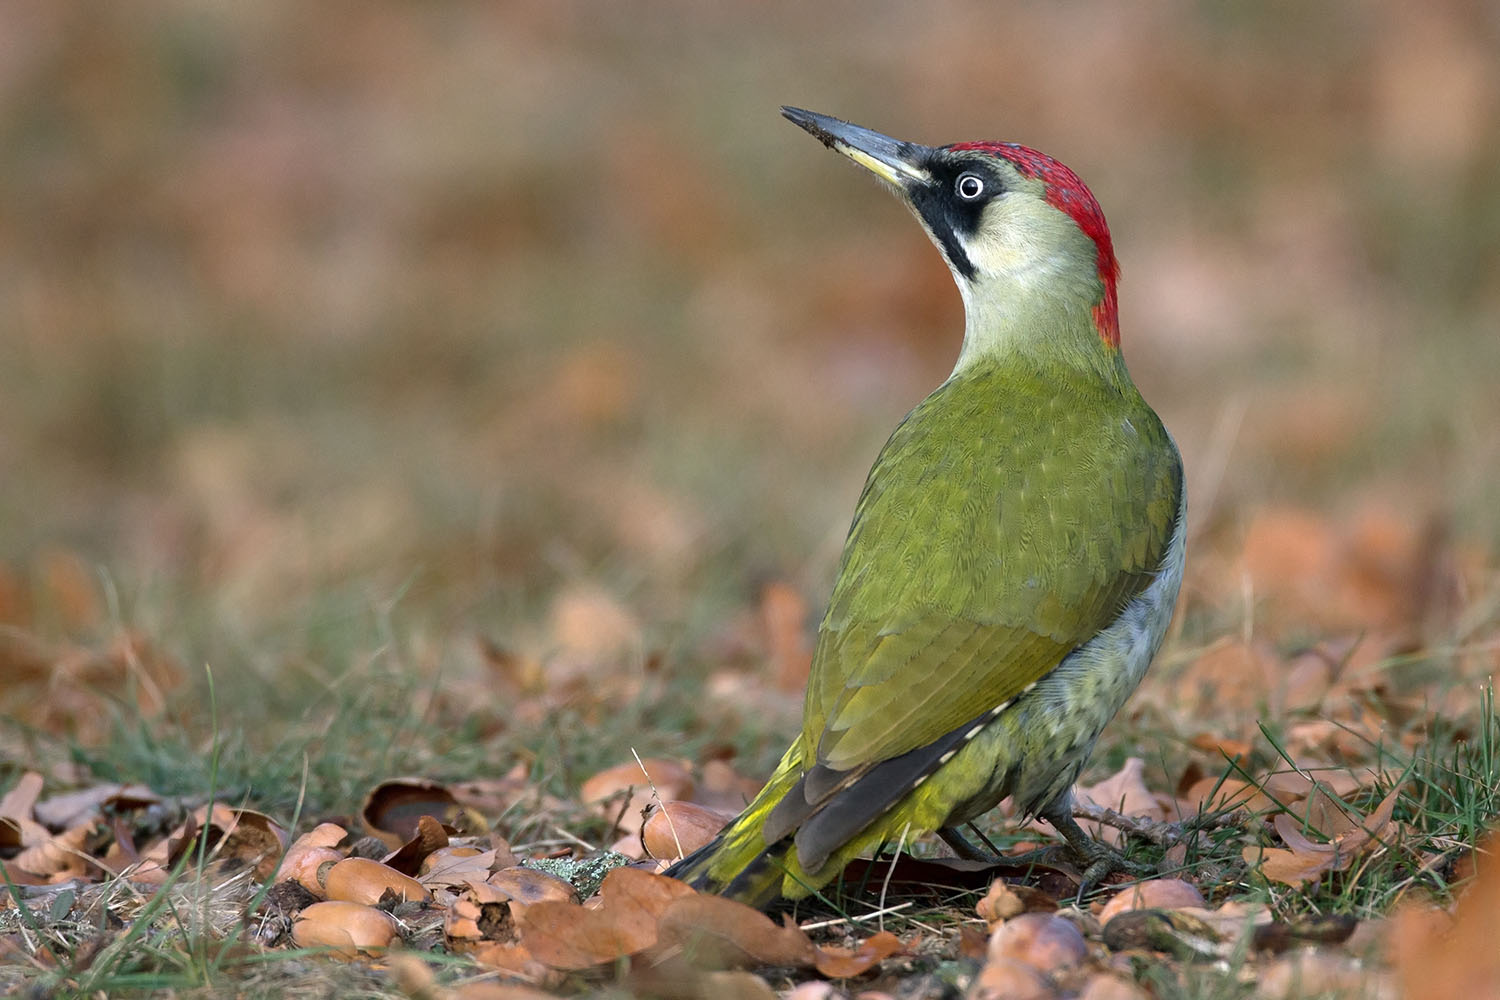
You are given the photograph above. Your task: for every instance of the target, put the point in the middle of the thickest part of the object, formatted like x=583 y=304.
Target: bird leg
x=961 y=846
x=1098 y=859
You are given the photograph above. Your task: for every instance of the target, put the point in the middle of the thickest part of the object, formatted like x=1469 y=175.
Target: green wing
x=982 y=553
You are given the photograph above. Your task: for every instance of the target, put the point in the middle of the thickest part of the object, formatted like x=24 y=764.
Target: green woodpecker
x=1014 y=558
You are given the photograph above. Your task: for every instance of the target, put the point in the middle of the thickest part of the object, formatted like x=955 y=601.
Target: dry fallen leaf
x=842 y=963
x=60 y=857
x=1304 y=860
x=72 y=808
x=1103 y=986
x=457 y=865
x=1438 y=958
x=429 y=836
x=18 y=828
x=1126 y=793
x=717 y=933
x=568 y=936
x=723 y=788
x=241 y=834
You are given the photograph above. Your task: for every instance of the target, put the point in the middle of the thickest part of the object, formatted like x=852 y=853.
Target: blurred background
x=505 y=346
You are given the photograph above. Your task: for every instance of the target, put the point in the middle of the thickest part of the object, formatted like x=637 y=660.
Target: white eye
x=969 y=186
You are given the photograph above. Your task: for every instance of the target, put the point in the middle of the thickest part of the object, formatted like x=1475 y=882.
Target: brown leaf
x=1439 y=959
x=21 y=800
x=568 y=936
x=1103 y=986
x=72 y=808
x=842 y=963
x=70 y=584
x=25 y=657
x=456 y=865
x=430 y=835
x=17 y=827
x=508 y=958
x=1126 y=793
x=1221 y=745
x=972 y=942
x=723 y=788
x=718 y=933
x=527 y=886
x=1304 y=859
x=61 y=856
x=588 y=623
x=511 y=957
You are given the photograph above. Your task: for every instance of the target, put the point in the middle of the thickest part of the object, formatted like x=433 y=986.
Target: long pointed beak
x=896 y=162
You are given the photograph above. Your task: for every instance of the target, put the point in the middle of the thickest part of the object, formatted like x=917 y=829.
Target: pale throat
x=1041 y=310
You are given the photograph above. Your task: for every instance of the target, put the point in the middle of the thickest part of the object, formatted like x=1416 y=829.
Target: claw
x=1099 y=860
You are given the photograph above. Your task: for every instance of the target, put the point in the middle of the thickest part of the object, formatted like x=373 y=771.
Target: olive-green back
x=1009 y=518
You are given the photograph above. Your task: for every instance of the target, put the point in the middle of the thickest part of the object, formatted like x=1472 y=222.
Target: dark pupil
x=969 y=186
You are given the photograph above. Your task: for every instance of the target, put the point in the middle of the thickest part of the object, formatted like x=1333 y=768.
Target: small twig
x=543 y=842
x=571 y=839
x=835 y=921
x=886 y=885
x=657 y=796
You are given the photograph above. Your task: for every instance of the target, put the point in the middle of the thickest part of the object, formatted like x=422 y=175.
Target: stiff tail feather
x=757 y=882
x=738 y=863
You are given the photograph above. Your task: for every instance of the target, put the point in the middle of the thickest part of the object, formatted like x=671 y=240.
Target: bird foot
x=1159 y=832
x=1099 y=860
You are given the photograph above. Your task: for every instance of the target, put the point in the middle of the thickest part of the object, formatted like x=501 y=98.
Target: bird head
x=1024 y=237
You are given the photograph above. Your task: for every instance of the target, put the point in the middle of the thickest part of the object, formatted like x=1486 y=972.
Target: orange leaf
x=428 y=837
x=1439 y=960
x=841 y=963
x=568 y=936
x=714 y=932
